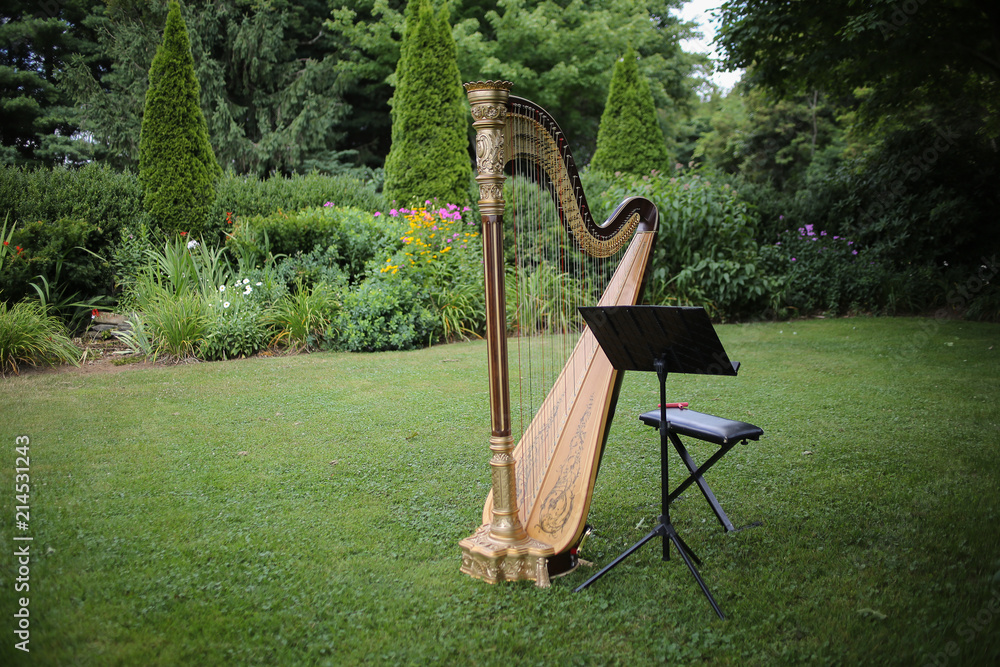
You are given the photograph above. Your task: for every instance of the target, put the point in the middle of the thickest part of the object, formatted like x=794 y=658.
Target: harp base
x=488 y=559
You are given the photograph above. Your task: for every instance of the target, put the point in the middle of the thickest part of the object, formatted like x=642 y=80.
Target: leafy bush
x=246 y=197
x=441 y=252
x=321 y=265
x=353 y=235
x=177 y=324
x=105 y=199
x=385 y=312
x=130 y=255
x=303 y=318
x=705 y=252
x=57 y=251
x=29 y=335
x=824 y=272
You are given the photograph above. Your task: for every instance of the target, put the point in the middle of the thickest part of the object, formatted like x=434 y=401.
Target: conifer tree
x=429 y=155
x=629 y=138
x=177 y=167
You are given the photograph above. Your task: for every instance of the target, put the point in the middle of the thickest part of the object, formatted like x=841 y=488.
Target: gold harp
x=535 y=515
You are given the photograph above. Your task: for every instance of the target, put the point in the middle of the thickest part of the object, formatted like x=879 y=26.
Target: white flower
x=247 y=290
x=259 y=283
x=246 y=281
x=222 y=288
x=225 y=305
x=192 y=245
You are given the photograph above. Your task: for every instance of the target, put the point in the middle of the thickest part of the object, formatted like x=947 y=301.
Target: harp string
x=552 y=275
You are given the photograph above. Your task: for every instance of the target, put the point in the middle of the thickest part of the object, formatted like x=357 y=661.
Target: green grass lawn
x=307 y=510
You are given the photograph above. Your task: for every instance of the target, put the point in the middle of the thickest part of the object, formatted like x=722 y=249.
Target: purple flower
x=793 y=259
x=393 y=212
x=854 y=252
x=809 y=230
x=781 y=217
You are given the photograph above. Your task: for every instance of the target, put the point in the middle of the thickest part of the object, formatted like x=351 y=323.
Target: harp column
x=500 y=550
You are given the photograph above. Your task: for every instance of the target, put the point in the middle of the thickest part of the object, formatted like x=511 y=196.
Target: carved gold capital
x=489 y=112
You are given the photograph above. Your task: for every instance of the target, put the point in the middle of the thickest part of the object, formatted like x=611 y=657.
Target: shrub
x=820 y=271
x=354 y=236
x=29 y=335
x=244 y=197
x=321 y=265
x=629 y=138
x=130 y=255
x=105 y=199
x=177 y=167
x=441 y=252
x=385 y=312
x=177 y=324
x=429 y=156
x=302 y=318
x=705 y=252
x=58 y=252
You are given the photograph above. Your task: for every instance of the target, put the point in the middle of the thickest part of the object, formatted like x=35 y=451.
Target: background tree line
x=292 y=87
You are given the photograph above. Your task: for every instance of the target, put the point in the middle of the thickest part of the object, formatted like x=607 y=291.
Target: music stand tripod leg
x=659 y=530
x=665 y=527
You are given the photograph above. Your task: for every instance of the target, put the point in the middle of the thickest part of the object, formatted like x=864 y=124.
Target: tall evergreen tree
x=629 y=138
x=429 y=154
x=177 y=168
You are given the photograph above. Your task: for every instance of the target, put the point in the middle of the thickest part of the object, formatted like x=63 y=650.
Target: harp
x=535 y=515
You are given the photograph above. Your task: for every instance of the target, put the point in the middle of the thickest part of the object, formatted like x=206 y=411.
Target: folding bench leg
x=706 y=490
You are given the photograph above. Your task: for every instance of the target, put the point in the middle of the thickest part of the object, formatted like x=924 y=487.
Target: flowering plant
x=5 y=247
x=430 y=234
x=236 y=327
x=823 y=271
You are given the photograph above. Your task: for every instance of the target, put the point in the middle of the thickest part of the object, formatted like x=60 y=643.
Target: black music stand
x=664 y=339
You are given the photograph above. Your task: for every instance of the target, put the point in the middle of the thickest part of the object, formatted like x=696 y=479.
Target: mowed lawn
x=307 y=510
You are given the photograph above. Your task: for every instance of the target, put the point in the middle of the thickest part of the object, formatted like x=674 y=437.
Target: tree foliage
x=629 y=139
x=558 y=54
x=430 y=147
x=770 y=141
x=38 y=119
x=177 y=168
x=271 y=90
x=905 y=57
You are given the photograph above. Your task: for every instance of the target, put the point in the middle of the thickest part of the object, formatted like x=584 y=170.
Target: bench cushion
x=704 y=427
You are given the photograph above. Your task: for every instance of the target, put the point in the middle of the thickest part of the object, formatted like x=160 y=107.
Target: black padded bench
x=701 y=426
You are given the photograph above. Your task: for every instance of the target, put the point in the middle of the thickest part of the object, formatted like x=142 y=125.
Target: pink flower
x=393 y=212
x=378 y=213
